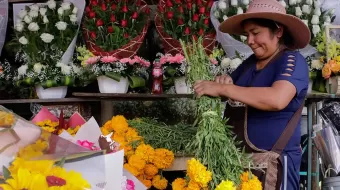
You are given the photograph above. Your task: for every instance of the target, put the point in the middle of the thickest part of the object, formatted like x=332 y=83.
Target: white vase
x=51 y=93
x=332 y=85
x=108 y=85
x=181 y=86
x=310 y=86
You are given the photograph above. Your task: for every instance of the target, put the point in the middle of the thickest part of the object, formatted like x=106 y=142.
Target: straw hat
x=272 y=10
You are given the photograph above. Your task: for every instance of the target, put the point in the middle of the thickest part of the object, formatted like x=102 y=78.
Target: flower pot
x=332 y=85
x=181 y=86
x=310 y=86
x=51 y=93
x=108 y=85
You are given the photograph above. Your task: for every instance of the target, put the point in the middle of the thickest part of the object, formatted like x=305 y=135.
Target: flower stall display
x=45 y=35
x=115 y=28
x=181 y=19
x=115 y=75
x=3 y=22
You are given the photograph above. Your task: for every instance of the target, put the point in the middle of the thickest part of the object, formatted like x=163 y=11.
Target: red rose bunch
x=111 y=24
x=185 y=18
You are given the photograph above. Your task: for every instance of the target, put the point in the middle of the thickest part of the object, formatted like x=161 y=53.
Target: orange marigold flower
x=146 y=152
x=159 y=182
x=163 y=158
x=137 y=162
x=119 y=124
x=134 y=171
x=147 y=183
x=150 y=170
x=179 y=184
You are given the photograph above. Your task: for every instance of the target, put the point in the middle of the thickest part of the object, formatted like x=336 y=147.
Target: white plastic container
x=51 y=93
x=108 y=85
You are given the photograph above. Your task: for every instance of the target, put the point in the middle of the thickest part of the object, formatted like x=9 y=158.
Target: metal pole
x=309 y=131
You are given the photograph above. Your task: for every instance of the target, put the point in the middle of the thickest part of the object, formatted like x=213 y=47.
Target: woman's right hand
x=224 y=79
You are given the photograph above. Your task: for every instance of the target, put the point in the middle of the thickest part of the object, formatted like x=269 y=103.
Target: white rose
x=22 y=13
x=37 y=68
x=22 y=70
x=317 y=64
x=43 y=11
x=327 y=19
x=298 y=1
x=19 y=26
x=234 y=3
x=239 y=10
x=47 y=38
x=33 y=27
x=315 y=19
x=75 y=10
x=73 y=18
x=61 y=25
x=243 y=38
x=33 y=14
x=61 y=11
x=315 y=29
x=317 y=4
x=292 y=2
x=283 y=3
x=217 y=14
x=66 y=6
x=51 y=4
x=222 y=5
x=309 y=2
x=245 y=2
x=27 y=19
x=306 y=22
x=225 y=17
x=45 y=20
x=34 y=7
x=298 y=11
x=235 y=63
x=23 y=40
x=306 y=9
x=317 y=11
x=225 y=62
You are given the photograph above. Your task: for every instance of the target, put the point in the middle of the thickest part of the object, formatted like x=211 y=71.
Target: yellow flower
x=163 y=158
x=134 y=171
x=193 y=186
x=179 y=184
x=159 y=182
x=198 y=173
x=108 y=126
x=150 y=170
x=226 y=185
x=147 y=183
x=146 y=152
x=137 y=162
x=244 y=176
x=73 y=180
x=105 y=131
x=337 y=59
x=326 y=71
x=335 y=68
x=45 y=136
x=73 y=131
x=37 y=166
x=24 y=179
x=132 y=135
x=5 y=187
x=119 y=124
x=119 y=138
x=48 y=125
x=33 y=150
x=251 y=184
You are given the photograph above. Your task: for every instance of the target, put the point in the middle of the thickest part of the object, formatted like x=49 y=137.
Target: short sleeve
x=235 y=75
x=294 y=69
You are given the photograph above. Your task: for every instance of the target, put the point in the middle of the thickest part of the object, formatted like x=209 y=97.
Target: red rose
x=147 y=10
x=195 y=18
x=201 y=32
x=88 y=9
x=134 y=15
x=94 y=3
x=201 y=10
x=189 y=1
x=113 y=7
x=187 y=30
x=178 y=1
x=189 y=6
x=199 y=2
x=180 y=21
x=112 y=18
x=210 y=3
x=92 y=14
x=103 y=7
x=123 y=23
x=125 y=9
x=126 y=35
x=160 y=8
x=206 y=22
x=180 y=9
x=207 y=14
x=138 y=3
x=110 y=29
x=99 y=22
x=170 y=15
x=93 y=35
x=169 y=3
x=195 y=37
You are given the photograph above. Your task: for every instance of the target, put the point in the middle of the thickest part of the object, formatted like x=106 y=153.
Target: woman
x=272 y=82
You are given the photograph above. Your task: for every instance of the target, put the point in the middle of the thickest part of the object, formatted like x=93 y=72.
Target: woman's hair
x=273 y=26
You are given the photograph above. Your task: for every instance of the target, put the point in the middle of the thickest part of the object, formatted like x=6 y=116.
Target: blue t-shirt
x=265 y=127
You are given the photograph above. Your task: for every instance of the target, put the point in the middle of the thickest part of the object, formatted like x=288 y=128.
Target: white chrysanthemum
x=22 y=14
x=45 y=20
x=61 y=11
x=27 y=19
x=19 y=26
x=61 y=25
x=47 y=38
x=317 y=64
x=315 y=19
x=22 y=70
x=73 y=18
x=225 y=62
x=306 y=9
x=33 y=26
x=317 y=11
x=23 y=40
x=34 y=7
x=66 y=6
x=222 y=5
x=37 y=68
x=235 y=63
x=51 y=4
x=33 y=14
x=43 y=11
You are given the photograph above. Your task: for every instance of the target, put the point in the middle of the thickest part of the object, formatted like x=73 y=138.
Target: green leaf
x=114 y=76
x=171 y=71
x=6 y=173
x=136 y=82
x=61 y=162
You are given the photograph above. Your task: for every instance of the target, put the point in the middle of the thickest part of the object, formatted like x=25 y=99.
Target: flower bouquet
x=115 y=75
x=181 y=19
x=45 y=35
x=115 y=28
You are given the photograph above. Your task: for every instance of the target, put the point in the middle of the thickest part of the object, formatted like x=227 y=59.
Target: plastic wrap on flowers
x=127 y=51
x=29 y=150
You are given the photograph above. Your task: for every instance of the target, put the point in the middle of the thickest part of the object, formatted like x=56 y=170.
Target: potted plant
x=115 y=28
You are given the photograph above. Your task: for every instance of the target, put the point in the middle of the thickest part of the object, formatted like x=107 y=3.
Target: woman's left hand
x=208 y=88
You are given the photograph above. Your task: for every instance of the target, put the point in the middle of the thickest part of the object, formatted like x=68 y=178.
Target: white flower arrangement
x=43 y=37
x=221 y=64
x=5 y=74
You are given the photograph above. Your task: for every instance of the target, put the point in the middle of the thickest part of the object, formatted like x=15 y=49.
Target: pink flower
x=130 y=185
x=179 y=58
x=108 y=59
x=146 y=63
x=132 y=61
x=88 y=145
x=163 y=60
x=125 y=60
x=92 y=60
x=213 y=61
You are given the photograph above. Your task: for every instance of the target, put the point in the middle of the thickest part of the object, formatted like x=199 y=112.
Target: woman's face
x=262 y=40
